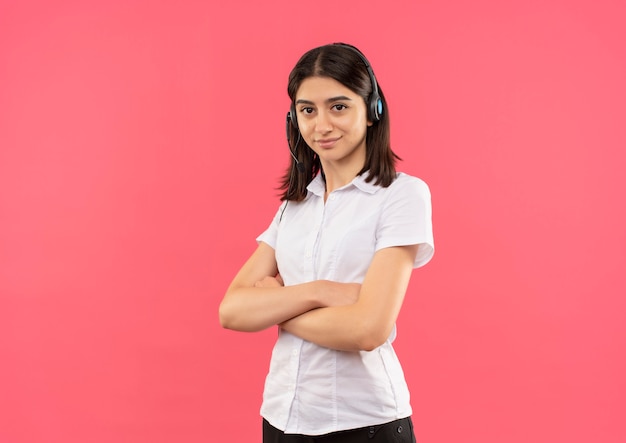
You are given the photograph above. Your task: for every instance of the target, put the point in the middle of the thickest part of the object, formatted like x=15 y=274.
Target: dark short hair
x=342 y=63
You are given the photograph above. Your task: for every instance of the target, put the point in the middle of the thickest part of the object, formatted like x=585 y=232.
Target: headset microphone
x=299 y=165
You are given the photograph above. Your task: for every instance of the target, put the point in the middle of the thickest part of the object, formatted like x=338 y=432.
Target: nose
x=323 y=123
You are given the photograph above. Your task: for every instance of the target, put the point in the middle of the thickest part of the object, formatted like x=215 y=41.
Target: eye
x=306 y=110
x=339 y=107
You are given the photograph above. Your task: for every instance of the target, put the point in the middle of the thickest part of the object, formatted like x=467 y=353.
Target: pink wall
x=140 y=145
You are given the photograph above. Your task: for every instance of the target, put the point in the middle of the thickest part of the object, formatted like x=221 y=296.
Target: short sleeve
x=406 y=218
x=270 y=234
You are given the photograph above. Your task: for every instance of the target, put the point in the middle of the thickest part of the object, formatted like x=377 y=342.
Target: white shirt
x=314 y=390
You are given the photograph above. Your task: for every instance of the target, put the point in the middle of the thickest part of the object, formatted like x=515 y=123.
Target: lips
x=327 y=142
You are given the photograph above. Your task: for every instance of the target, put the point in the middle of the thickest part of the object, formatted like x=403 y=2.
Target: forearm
x=268 y=303
x=344 y=328
x=366 y=324
x=252 y=309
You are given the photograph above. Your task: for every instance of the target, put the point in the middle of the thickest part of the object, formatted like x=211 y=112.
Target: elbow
x=371 y=338
x=368 y=344
x=225 y=318
x=230 y=323
x=231 y=319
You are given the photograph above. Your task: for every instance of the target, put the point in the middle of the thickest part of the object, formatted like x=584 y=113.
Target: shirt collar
x=318 y=187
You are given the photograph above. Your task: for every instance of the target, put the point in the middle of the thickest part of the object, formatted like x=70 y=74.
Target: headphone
x=374 y=103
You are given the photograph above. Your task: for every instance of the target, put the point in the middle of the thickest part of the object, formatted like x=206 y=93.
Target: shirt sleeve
x=269 y=235
x=406 y=218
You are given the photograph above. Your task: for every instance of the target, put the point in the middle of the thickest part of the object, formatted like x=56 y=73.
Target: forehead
x=322 y=88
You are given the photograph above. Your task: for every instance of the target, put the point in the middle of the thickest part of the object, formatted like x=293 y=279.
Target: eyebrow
x=330 y=100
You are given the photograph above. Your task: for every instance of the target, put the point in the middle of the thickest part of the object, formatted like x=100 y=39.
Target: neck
x=337 y=177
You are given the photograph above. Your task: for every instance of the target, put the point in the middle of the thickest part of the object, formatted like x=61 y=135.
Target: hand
x=270 y=282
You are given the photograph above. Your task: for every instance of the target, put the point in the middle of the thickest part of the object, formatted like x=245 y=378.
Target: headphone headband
x=374 y=107
x=374 y=102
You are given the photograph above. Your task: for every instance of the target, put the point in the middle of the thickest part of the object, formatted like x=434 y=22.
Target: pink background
x=140 y=147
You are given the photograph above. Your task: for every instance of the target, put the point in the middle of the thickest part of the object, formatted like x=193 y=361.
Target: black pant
x=397 y=431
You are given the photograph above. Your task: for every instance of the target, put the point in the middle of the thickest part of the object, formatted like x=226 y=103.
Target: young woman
x=333 y=267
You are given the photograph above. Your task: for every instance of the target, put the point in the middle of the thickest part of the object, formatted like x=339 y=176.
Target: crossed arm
x=344 y=316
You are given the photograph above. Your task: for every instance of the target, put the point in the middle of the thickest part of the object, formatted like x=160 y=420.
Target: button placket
x=314 y=237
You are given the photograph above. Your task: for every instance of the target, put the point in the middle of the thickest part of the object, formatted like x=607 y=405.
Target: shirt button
x=294 y=352
x=332 y=197
x=307 y=254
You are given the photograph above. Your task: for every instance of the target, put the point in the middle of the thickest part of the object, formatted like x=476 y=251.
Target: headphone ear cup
x=375 y=107
x=292 y=116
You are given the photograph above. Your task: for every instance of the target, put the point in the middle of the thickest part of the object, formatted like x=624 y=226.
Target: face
x=333 y=122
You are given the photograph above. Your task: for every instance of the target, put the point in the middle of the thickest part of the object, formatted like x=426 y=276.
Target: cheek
x=304 y=127
x=359 y=128
x=307 y=136
x=306 y=131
